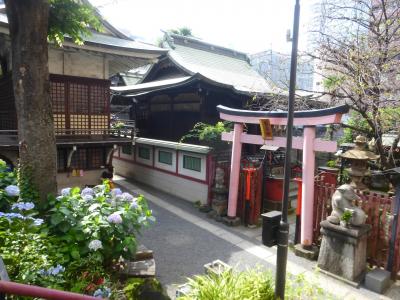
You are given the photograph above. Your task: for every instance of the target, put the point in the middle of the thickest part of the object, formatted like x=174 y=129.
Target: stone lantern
x=359 y=158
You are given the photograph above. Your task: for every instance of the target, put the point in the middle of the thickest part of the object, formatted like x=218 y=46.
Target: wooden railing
x=379 y=208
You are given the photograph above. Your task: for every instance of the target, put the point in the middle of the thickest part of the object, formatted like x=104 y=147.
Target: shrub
x=254 y=284
x=29 y=254
x=250 y=284
x=98 y=222
x=7 y=178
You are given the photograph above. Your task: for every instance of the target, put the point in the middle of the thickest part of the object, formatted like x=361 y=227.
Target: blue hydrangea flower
x=10 y=216
x=134 y=204
x=116 y=192
x=38 y=222
x=99 y=188
x=102 y=293
x=115 y=218
x=87 y=198
x=127 y=197
x=65 y=192
x=95 y=245
x=12 y=191
x=87 y=191
x=52 y=271
x=55 y=270
x=23 y=206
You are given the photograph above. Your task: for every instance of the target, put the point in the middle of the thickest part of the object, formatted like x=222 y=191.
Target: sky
x=250 y=26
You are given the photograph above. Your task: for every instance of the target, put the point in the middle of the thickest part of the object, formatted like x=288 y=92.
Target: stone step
x=143 y=253
x=140 y=268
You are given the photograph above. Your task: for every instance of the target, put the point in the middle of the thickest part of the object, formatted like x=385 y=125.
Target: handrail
x=13 y=288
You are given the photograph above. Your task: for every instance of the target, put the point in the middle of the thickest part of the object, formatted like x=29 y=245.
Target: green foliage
x=346 y=216
x=300 y=288
x=26 y=249
x=136 y=287
x=79 y=217
x=72 y=18
x=6 y=178
x=25 y=183
x=250 y=284
x=333 y=82
x=331 y=163
x=389 y=118
x=60 y=253
x=184 y=31
x=254 y=284
x=208 y=134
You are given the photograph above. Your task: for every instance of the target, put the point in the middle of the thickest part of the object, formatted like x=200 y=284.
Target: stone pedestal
x=343 y=252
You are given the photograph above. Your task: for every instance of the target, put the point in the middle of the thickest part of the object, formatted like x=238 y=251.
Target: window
x=127 y=149
x=192 y=163
x=144 y=152
x=165 y=157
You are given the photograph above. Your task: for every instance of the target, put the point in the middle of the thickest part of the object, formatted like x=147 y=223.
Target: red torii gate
x=309 y=144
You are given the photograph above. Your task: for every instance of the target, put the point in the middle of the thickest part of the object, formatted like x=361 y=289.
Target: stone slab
x=143 y=253
x=354 y=283
x=141 y=268
x=310 y=253
x=377 y=280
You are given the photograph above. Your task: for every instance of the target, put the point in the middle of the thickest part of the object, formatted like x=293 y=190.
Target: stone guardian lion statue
x=342 y=199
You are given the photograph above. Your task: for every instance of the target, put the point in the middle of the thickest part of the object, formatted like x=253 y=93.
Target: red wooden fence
x=379 y=208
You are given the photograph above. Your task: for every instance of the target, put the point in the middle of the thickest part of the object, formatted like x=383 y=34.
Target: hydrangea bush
x=25 y=246
x=98 y=221
x=8 y=180
x=73 y=243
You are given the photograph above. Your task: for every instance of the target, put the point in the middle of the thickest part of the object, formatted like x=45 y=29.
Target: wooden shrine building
x=80 y=95
x=185 y=86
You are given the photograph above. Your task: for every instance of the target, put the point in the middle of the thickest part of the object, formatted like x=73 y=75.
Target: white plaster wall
x=77 y=63
x=56 y=61
x=198 y=175
x=183 y=188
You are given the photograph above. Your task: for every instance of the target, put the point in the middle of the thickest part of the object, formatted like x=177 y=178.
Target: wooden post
x=235 y=170
x=392 y=242
x=308 y=186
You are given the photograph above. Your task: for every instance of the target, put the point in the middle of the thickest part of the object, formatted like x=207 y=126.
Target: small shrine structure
x=308 y=143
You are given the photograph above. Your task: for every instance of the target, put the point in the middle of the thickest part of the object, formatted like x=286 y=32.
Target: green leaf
x=56 y=219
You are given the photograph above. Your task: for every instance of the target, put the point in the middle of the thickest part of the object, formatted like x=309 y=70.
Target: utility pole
x=283 y=234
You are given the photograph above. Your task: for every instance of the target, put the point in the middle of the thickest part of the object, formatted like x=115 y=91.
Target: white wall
x=184 y=188
x=77 y=63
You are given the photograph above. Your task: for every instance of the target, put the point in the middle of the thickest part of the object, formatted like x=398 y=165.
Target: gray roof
x=108 y=41
x=114 y=42
x=219 y=64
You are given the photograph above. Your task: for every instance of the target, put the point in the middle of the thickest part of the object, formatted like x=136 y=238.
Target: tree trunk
x=28 y=23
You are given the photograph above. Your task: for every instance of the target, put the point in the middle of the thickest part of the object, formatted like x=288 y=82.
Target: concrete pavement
x=184 y=239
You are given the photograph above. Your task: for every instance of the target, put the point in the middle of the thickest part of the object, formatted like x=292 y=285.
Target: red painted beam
x=13 y=288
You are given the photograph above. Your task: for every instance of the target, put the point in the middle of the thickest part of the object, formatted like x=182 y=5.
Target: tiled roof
x=219 y=64
x=108 y=41
x=111 y=41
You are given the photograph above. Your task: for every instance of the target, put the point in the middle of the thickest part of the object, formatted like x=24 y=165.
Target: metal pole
x=283 y=235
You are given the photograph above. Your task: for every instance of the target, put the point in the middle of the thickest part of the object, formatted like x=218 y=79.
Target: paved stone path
x=184 y=239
